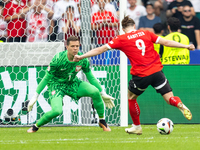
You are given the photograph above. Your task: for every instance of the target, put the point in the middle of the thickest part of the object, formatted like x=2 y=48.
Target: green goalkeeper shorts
x=57 y=89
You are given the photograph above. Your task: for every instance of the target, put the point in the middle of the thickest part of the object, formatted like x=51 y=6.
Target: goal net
x=23 y=66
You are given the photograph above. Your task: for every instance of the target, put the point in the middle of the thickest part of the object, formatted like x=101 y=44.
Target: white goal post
x=123 y=73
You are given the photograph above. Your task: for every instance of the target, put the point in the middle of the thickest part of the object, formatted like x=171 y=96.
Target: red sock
x=174 y=101
x=134 y=111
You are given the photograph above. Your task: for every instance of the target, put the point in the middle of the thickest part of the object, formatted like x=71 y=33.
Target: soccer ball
x=165 y=126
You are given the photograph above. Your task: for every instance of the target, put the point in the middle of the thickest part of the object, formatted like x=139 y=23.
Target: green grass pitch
x=184 y=137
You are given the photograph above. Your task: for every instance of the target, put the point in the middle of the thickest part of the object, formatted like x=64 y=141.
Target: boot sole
x=30 y=130
x=137 y=133
x=104 y=128
x=186 y=112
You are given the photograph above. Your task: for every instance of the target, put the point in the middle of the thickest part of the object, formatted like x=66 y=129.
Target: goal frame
x=123 y=73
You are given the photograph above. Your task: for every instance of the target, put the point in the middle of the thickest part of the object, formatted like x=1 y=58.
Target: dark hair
x=72 y=38
x=70 y=7
x=2 y=4
x=174 y=24
x=158 y=27
x=127 y=22
x=186 y=5
x=149 y=3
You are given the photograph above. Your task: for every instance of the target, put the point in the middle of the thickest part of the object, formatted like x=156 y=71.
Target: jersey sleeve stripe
x=108 y=46
x=157 y=40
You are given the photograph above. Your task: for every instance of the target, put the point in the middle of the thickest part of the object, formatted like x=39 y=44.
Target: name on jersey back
x=135 y=35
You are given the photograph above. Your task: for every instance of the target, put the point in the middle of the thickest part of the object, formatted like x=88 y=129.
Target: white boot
x=134 y=129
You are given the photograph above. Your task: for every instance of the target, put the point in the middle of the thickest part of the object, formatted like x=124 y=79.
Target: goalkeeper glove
x=108 y=100
x=32 y=102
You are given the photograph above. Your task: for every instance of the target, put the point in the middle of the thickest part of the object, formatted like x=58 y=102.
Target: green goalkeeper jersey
x=63 y=70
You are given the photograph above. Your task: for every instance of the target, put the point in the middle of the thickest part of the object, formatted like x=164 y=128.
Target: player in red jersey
x=146 y=68
x=104 y=23
x=15 y=19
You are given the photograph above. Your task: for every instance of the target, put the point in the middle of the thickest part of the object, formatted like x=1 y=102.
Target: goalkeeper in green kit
x=61 y=80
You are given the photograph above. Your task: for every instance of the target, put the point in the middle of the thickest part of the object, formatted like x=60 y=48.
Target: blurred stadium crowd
x=56 y=20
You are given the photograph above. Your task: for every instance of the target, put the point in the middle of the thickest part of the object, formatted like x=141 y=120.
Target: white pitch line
x=92 y=140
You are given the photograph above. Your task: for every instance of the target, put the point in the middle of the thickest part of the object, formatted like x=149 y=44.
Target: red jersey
x=138 y=47
x=37 y=27
x=105 y=34
x=16 y=27
x=25 y=2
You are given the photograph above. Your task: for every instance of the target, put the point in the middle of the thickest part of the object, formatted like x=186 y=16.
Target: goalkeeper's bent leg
x=87 y=90
x=56 y=110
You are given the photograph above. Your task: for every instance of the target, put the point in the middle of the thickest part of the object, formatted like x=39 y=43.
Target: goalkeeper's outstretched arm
x=43 y=83
x=108 y=100
x=39 y=89
x=93 y=80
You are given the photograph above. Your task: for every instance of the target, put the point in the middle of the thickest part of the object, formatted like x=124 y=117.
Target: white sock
x=102 y=118
x=36 y=125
